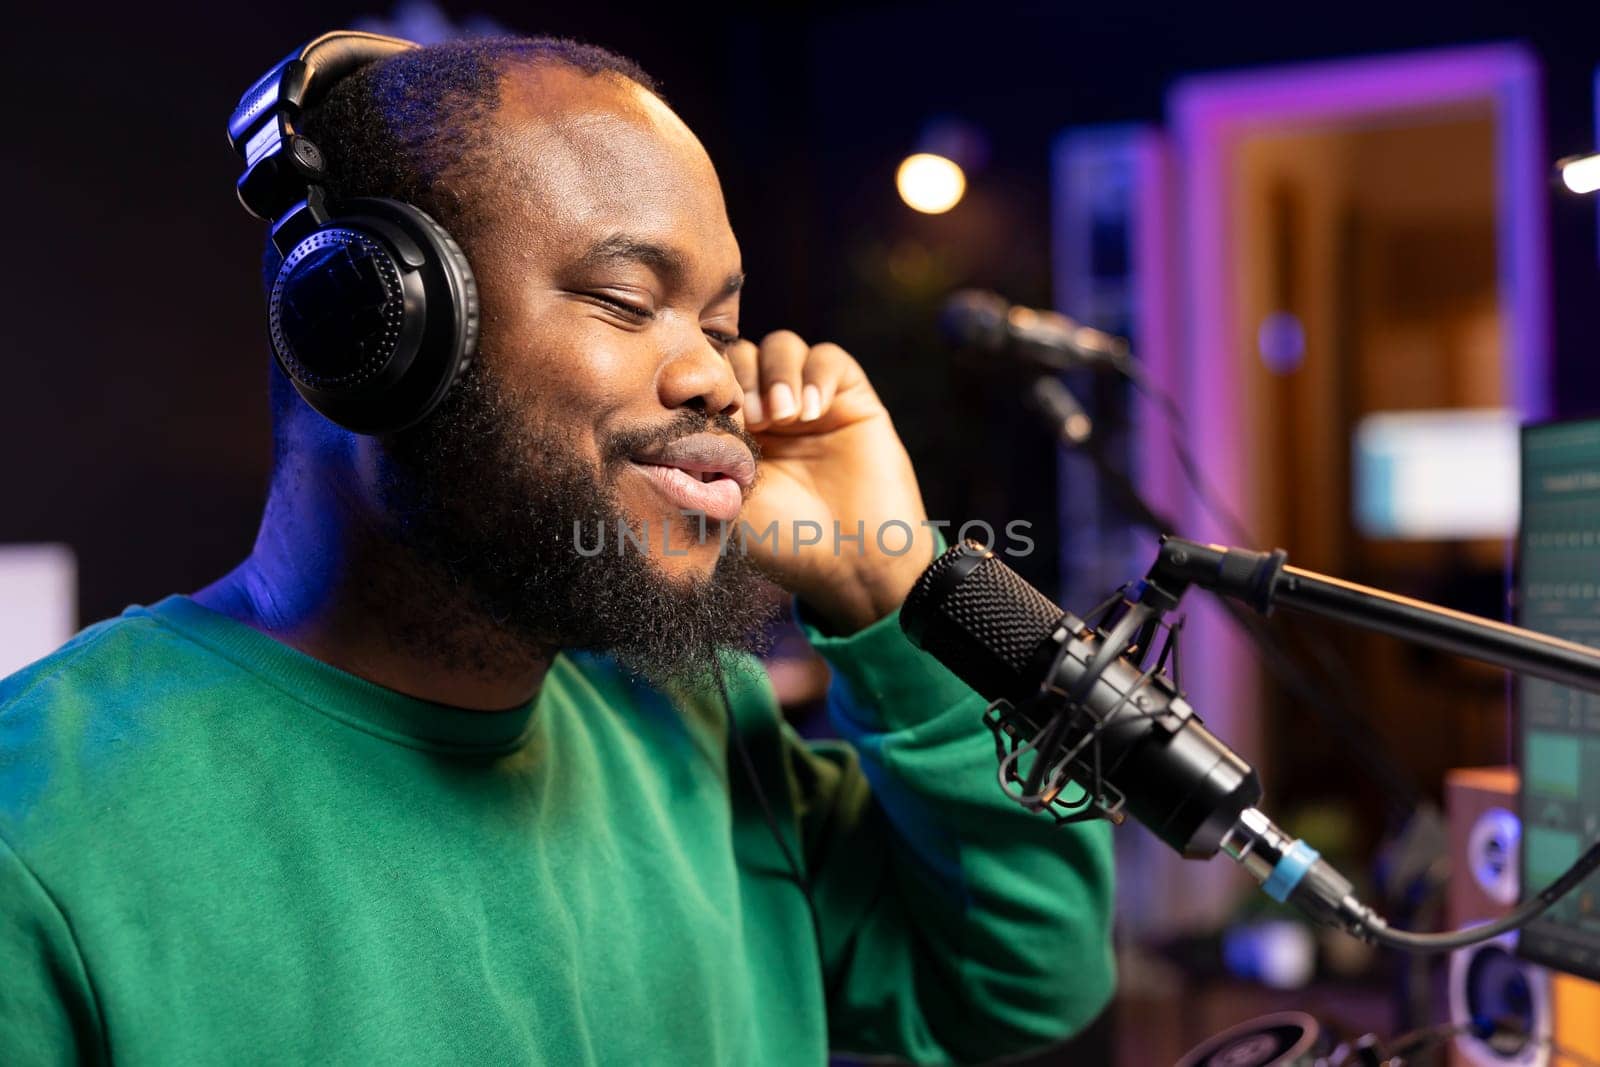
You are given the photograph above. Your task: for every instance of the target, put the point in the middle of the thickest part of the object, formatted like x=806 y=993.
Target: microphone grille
x=982 y=620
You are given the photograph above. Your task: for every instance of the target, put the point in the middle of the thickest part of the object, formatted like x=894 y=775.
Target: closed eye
x=639 y=314
x=622 y=307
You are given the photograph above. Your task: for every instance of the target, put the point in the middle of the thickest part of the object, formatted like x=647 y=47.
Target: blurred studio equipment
x=1090 y=721
x=1335 y=279
x=38 y=602
x=1488 y=981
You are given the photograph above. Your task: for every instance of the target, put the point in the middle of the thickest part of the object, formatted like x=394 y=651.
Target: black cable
x=1428 y=1037
x=800 y=879
x=1177 y=428
x=1425 y=1038
x=1375 y=929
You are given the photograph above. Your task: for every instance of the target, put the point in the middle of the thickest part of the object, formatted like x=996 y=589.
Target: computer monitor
x=1558 y=728
x=1439 y=475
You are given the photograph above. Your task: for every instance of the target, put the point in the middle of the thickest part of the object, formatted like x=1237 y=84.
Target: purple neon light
x=1209 y=115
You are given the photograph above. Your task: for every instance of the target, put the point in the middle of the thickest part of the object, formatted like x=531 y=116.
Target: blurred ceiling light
x=929 y=183
x=1581 y=174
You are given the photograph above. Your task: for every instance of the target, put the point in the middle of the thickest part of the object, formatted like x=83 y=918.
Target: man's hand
x=830 y=460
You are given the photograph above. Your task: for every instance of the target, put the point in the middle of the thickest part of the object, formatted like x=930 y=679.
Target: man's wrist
x=859 y=596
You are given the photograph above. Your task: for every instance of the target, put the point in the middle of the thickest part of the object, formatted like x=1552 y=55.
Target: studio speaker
x=1489 y=981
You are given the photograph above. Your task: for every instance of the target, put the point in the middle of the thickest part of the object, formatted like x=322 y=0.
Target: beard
x=489 y=504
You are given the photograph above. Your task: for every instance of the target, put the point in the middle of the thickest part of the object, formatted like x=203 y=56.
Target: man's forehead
x=600 y=125
x=597 y=155
x=551 y=89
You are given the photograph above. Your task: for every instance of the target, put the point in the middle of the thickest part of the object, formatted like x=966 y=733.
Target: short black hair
x=397 y=127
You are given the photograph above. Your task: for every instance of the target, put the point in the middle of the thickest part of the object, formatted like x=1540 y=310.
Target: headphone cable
x=749 y=767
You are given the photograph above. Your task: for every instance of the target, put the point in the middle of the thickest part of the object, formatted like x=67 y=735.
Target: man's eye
x=720 y=339
x=622 y=307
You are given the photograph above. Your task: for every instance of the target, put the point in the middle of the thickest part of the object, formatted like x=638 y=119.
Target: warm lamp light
x=929 y=183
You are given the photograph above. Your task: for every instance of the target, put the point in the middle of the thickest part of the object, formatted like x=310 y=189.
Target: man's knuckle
x=782 y=339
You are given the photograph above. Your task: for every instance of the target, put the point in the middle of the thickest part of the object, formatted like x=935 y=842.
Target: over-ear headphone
x=374 y=311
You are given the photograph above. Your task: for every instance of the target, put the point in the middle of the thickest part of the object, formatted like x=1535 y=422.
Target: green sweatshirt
x=214 y=849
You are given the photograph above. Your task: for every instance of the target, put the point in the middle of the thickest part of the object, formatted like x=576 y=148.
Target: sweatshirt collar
x=340 y=695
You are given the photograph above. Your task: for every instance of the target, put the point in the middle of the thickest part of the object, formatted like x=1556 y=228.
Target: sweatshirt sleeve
x=956 y=926
x=48 y=1013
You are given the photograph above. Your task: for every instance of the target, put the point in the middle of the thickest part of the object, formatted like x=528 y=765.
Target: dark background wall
x=132 y=413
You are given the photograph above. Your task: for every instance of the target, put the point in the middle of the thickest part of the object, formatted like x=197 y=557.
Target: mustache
x=624 y=444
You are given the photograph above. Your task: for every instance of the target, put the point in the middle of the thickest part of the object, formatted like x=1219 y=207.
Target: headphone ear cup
x=374 y=315
x=466 y=300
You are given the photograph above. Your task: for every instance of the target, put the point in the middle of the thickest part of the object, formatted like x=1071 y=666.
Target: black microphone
x=1003 y=637
x=1066 y=682
x=1038 y=340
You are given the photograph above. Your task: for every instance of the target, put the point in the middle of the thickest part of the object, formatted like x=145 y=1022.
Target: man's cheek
x=640 y=503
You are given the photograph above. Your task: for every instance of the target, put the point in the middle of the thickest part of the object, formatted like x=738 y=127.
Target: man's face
x=609 y=277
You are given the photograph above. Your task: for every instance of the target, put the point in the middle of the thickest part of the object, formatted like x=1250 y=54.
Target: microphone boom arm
x=1264 y=581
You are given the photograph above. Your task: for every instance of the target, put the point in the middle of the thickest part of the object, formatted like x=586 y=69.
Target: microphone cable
x=1380 y=932
x=1507 y=1037
x=748 y=766
x=1209 y=498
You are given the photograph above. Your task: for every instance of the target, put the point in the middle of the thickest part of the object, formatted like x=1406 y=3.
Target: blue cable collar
x=1290 y=869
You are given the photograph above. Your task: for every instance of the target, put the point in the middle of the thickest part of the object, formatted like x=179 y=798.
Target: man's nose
x=698 y=376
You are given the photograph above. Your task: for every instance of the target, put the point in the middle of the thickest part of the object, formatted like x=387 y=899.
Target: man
x=427 y=780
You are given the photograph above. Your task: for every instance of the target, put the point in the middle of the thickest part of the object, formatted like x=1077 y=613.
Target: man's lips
x=703 y=472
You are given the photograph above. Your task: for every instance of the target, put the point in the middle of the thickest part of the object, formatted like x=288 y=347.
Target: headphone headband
x=279 y=163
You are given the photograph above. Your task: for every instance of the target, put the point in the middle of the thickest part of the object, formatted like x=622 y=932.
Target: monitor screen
x=1558 y=742
x=1436 y=475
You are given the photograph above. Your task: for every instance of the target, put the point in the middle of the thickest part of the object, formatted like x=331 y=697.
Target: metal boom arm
x=1264 y=580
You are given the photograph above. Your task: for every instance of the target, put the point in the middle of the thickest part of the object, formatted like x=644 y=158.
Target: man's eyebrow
x=622 y=248
x=664 y=260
